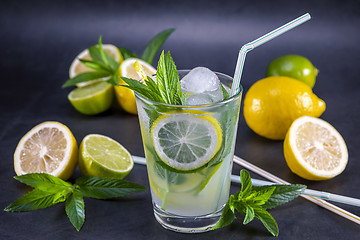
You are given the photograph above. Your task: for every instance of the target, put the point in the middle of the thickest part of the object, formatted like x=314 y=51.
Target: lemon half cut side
x=314 y=149
x=50 y=148
x=124 y=95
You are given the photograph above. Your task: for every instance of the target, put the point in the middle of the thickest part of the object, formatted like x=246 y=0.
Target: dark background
x=39 y=40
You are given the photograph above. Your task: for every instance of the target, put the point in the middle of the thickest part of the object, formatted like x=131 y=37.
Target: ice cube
x=198 y=99
x=203 y=85
x=200 y=79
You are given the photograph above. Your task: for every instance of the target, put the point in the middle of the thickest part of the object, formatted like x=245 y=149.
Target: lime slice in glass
x=92 y=99
x=101 y=156
x=186 y=141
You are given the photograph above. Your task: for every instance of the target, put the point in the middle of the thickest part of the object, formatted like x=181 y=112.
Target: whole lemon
x=273 y=103
x=294 y=66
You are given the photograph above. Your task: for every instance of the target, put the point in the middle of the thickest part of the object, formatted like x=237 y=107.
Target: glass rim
x=214 y=104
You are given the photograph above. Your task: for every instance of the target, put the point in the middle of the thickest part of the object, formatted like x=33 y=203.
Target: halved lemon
x=49 y=147
x=78 y=67
x=125 y=96
x=186 y=141
x=101 y=156
x=314 y=149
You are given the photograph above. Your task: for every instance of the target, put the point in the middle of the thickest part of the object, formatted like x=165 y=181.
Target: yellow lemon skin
x=70 y=167
x=125 y=97
x=273 y=103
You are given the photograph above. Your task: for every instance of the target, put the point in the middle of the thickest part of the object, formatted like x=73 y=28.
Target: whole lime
x=294 y=66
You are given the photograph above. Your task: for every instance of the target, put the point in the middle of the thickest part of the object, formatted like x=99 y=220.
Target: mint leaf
x=44 y=182
x=250 y=214
x=224 y=92
x=126 y=53
x=141 y=89
x=36 y=199
x=246 y=184
x=167 y=79
x=105 y=188
x=102 y=52
x=227 y=216
x=85 y=77
x=94 y=65
x=282 y=194
x=260 y=197
x=75 y=209
x=154 y=45
x=113 y=80
x=268 y=221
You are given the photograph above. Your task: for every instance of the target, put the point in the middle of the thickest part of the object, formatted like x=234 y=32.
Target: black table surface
x=39 y=40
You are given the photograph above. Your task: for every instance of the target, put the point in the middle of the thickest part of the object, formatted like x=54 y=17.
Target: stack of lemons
x=283 y=106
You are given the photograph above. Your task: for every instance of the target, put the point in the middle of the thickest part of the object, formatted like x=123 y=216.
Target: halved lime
x=186 y=141
x=92 y=99
x=101 y=156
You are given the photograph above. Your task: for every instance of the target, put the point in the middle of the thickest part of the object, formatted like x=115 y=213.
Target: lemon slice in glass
x=186 y=141
x=50 y=148
x=125 y=96
x=78 y=67
x=101 y=156
x=92 y=99
x=314 y=149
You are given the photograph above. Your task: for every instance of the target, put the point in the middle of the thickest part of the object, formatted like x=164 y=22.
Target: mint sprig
x=166 y=89
x=105 y=67
x=102 y=63
x=253 y=202
x=49 y=190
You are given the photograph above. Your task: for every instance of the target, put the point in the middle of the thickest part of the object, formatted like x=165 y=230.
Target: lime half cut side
x=186 y=142
x=101 y=156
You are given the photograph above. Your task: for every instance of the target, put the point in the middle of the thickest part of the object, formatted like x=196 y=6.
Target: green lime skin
x=92 y=99
x=294 y=66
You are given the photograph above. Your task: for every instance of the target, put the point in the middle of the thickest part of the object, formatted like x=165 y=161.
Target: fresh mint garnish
x=50 y=190
x=167 y=87
x=102 y=63
x=154 y=45
x=126 y=53
x=253 y=202
x=105 y=67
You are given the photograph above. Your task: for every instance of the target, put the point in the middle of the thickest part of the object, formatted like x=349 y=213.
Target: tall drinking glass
x=189 y=152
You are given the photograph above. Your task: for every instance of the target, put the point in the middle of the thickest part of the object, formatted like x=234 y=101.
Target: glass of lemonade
x=189 y=151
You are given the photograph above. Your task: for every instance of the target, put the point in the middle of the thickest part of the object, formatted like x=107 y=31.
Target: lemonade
x=189 y=151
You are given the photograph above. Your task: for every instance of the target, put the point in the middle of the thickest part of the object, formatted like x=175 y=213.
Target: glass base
x=187 y=224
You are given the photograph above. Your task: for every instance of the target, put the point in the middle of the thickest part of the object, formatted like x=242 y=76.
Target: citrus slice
x=92 y=99
x=186 y=141
x=125 y=96
x=314 y=149
x=49 y=147
x=101 y=156
x=78 y=67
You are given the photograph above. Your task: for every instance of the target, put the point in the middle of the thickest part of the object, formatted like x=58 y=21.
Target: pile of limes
x=283 y=106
